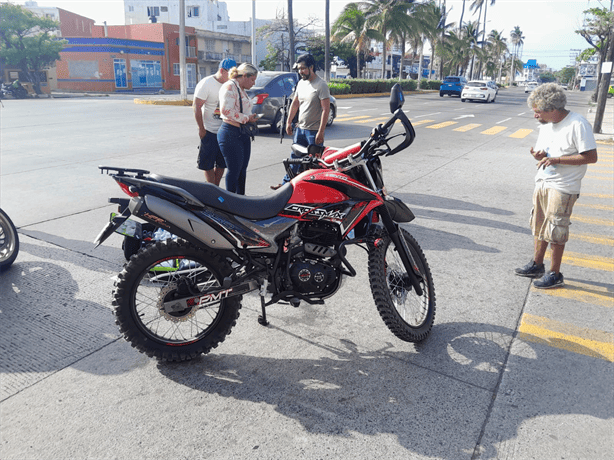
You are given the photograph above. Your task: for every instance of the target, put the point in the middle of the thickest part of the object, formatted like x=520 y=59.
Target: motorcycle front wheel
x=157 y=296
x=9 y=241
x=408 y=316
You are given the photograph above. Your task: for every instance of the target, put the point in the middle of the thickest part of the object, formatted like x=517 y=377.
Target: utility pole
x=254 y=59
x=291 y=34
x=182 y=67
x=327 y=42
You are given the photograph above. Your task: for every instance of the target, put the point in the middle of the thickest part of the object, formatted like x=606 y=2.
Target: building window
x=210 y=45
x=153 y=11
x=236 y=48
x=176 y=70
x=131 y=9
x=164 y=9
x=193 y=11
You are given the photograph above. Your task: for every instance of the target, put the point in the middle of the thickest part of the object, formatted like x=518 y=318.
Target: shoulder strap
x=240 y=97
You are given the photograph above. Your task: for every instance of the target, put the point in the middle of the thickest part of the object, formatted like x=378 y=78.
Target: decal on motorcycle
x=242 y=236
x=156 y=219
x=213 y=297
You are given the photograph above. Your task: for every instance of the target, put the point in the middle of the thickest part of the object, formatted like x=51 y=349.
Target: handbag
x=251 y=128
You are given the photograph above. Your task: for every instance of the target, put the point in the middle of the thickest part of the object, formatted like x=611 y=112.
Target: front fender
x=398 y=210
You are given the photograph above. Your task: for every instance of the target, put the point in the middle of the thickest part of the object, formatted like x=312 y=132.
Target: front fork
x=394 y=232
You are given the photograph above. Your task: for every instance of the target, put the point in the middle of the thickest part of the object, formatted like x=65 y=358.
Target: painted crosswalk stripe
x=494 y=130
x=521 y=133
x=586 y=261
x=352 y=118
x=600 y=207
x=592 y=220
x=468 y=127
x=583 y=341
x=582 y=292
x=442 y=125
x=593 y=239
x=421 y=122
x=598 y=195
x=372 y=120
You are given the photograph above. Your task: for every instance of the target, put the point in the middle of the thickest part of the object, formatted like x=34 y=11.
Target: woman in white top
x=235 y=110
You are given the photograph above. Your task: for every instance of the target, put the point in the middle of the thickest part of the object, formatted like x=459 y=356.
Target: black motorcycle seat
x=253 y=208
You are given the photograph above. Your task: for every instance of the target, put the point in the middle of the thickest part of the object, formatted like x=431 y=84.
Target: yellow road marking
x=584 y=260
x=421 y=122
x=581 y=292
x=442 y=125
x=597 y=195
x=583 y=341
x=494 y=130
x=599 y=177
x=468 y=127
x=601 y=207
x=603 y=240
x=592 y=220
x=352 y=118
x=373 y=119
x=521 y=133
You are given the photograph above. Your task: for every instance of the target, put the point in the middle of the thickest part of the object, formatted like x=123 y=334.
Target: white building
x=206 y=15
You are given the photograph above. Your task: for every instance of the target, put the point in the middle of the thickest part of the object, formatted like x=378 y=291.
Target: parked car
x=452 y=86
x=479 y=90
x=268 y=97
x=530 y=86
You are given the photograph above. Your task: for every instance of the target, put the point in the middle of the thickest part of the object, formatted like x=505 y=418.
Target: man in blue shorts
x=207 y=113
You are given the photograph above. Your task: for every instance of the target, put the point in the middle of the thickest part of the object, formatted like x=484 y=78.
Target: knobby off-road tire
x=159 y=273
x=9 y=241
x=408 y=316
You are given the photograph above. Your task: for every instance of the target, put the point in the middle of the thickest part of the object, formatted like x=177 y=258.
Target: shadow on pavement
x=378 y=392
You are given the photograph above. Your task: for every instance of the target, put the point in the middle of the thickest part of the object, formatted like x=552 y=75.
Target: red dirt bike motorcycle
x=179 y=298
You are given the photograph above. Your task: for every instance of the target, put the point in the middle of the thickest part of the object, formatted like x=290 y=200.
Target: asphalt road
x=508 y=372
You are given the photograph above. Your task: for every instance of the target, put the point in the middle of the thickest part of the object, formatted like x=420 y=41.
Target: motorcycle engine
x=312 y=277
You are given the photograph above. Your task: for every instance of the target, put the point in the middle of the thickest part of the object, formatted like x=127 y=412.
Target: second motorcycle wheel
x=157 y=301
x=408 y=316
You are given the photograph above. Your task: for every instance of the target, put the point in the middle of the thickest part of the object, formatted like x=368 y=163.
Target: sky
x=547 y=25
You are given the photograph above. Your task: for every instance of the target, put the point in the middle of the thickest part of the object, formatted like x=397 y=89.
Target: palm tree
x=498 y=47
x=386 y=16
x=517 y=41
x=431 y=24
x=471 y=34
x=351 y=27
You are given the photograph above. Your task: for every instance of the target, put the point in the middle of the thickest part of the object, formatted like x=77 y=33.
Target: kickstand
x=262 y=318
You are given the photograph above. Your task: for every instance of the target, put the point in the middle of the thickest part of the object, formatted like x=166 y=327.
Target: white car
x=530 y=86
x=479 y=90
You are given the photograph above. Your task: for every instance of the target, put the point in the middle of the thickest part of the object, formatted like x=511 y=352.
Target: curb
x=181 y=102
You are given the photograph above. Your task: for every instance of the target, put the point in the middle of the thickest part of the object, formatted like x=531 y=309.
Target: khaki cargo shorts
x=550 y=214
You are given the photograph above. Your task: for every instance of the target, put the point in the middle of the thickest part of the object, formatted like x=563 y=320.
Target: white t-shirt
x=570 y=136
x=208 y=89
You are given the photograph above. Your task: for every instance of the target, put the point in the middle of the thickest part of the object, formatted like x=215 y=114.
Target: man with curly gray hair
x=564 y=147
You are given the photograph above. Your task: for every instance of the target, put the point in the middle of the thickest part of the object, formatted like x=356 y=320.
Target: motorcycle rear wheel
x=9 y=241
x=155 y=276
x=408 y=316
